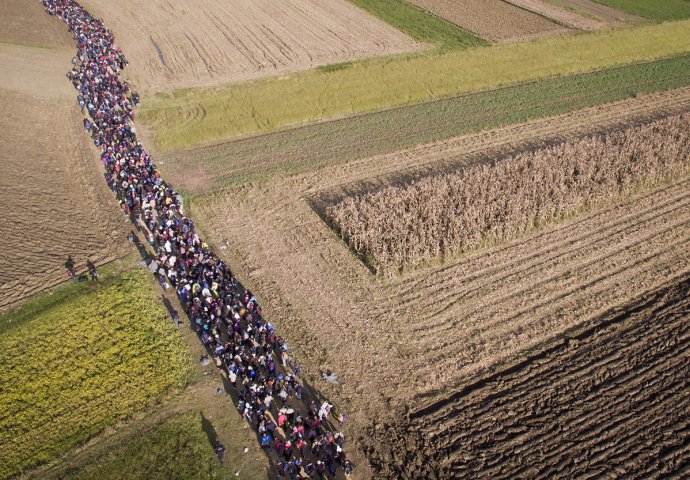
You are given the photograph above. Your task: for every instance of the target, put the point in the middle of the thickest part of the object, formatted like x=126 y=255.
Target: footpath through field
x=228 y=319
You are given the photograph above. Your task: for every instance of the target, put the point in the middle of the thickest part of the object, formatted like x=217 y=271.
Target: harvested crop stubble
x=175 y=44
x=404 y=225
x=600 y=11
x=202 y=116
x=560 y=15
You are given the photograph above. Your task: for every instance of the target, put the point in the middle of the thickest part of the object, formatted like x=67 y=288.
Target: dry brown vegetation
x=401 y=226
x=495 y=20
x=176 y=44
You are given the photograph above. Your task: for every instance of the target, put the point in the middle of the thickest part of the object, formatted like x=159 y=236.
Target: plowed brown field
x=560 y=15
x=495 y=20
x=176 y=44
x=412 y=340
x=55 y=202
x=608 y=402
x=600 y=11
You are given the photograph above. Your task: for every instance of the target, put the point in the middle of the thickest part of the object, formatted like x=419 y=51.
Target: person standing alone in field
x=71 y=273
x=92 y=271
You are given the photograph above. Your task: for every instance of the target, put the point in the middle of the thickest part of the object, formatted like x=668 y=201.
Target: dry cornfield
x=402 y=226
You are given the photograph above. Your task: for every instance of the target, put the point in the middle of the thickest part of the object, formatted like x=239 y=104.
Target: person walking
x=71 y=273
x=92 y=271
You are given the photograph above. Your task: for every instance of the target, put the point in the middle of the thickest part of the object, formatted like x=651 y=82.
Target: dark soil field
x=607 y=402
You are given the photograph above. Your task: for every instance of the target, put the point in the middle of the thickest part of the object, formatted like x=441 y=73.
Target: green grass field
x=193 y=117
x=80 y=359
x=175 y=448
x=659 y=10
x=329 y=143
x=419 y=24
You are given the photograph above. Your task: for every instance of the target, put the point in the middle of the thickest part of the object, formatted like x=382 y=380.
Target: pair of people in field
x=72 y=272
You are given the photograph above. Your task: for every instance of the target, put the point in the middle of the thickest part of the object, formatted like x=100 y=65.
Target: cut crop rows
x=608 y=401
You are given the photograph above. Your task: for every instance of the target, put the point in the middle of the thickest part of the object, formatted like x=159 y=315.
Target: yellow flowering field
x=69 y=368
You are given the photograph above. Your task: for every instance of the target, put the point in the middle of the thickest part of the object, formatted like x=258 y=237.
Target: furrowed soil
x=408 y=341
x=493 y=19
x=177 y=44
x=559 y=15
x=610 y=401
x=52 y=191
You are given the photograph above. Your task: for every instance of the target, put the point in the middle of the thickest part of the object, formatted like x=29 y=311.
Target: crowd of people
x=228 y=319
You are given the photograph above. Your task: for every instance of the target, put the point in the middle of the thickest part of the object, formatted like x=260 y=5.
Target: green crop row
x=192 y=117
x=659 y=10
x=329 y=143
x=73 y=367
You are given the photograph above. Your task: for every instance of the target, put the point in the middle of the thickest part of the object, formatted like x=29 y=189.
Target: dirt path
x=495 y=20
x=609 y=401
x=560 y=15
x=176 y=44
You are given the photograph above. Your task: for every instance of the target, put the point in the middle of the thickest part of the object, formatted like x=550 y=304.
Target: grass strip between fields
x=659 y=10
x=76 y=365
x=192 y=117
x=419 y=24
x=297 y=150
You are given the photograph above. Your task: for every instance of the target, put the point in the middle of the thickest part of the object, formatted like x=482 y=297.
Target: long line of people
x=228 y=320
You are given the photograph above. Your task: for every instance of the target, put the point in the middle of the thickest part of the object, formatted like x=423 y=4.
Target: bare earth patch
x=495 y=20
x=24 y=22
x=55 y=202
x=560 y=15
x=407 y=341
x=608 y=399
x=175 y=44
x=603 y=12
